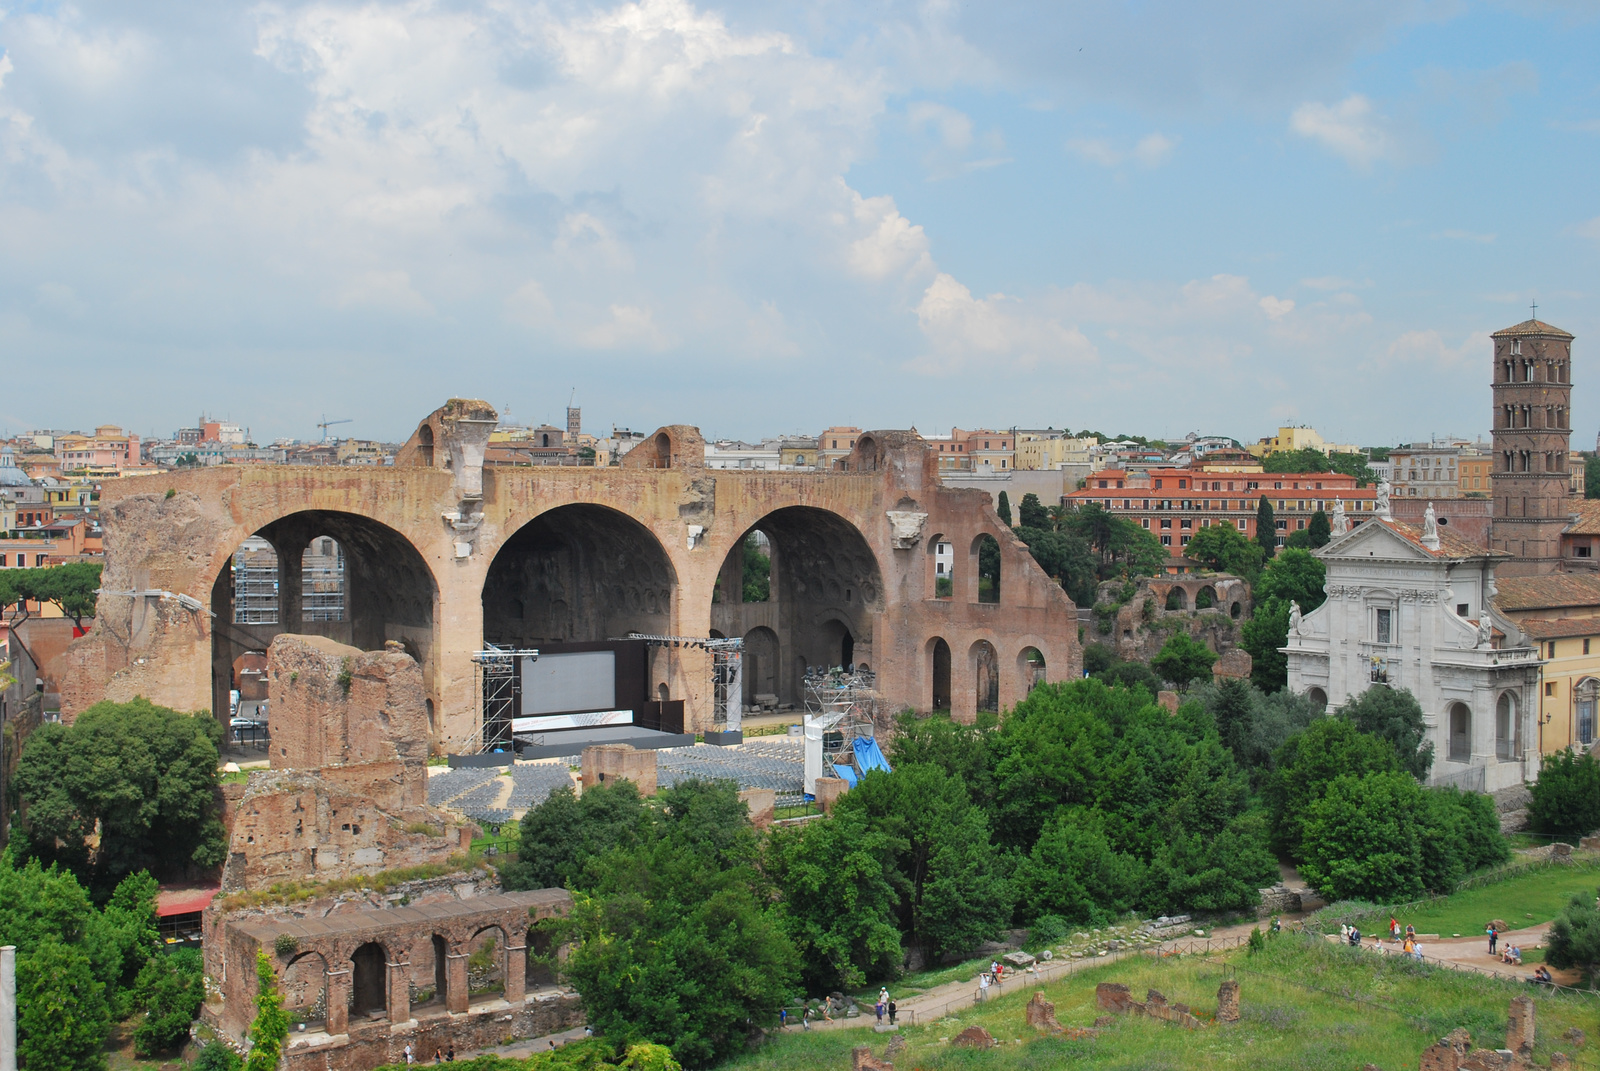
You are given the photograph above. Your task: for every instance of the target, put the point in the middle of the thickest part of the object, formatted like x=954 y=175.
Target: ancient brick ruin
x=442 y=554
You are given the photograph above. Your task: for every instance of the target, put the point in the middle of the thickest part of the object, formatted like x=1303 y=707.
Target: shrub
x=169 y=989
x=1574 y=939
x=286 y=944
x=1566 y=798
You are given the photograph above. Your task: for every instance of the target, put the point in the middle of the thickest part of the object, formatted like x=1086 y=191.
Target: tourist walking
x=1494 y=936
x=805 y=1020
x=880 y=1009
x=891 y=1013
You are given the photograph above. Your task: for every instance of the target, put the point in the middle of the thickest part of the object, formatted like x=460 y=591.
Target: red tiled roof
x=1532 y=328
x=186 y=900
x=1561 y=627
x=1588 y=522
x=1450 y=545
x=1547 y=592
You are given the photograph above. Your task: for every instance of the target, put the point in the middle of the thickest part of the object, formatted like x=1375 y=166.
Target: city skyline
x=770 y=217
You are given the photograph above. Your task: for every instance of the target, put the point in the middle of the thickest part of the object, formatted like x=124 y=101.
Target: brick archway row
x=398 y=931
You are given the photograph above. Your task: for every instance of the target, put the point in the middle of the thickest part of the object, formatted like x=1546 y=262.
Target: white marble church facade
x=1409 y=609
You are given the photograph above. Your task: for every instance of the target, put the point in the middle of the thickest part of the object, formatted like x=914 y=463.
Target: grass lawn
x=1305 y=1004
x=1523 y=901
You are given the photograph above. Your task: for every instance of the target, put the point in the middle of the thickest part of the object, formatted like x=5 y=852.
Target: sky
x=765 y=218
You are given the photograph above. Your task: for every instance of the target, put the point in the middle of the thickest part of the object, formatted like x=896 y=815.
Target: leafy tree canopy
x=1296 y=575
x=1574 y=939
x=1310 y=459
x=1033 y=514
x=560 y=835
x=140 y=776
x=1067 y=558
x=1183 y=660
x=70 y=587
x=1003 y=508
x=1266 y=529
x=1566 y=798
x=1225 y=549
x=1393 y=714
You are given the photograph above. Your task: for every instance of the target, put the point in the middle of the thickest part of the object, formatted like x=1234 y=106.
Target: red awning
x=186 y=900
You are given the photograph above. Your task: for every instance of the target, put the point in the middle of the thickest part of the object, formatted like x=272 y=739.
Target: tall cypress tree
x=1266 y=529
x=1004 y=509
x=1320 y=530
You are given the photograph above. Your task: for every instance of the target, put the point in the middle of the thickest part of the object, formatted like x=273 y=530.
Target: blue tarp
x=869 y=757
x=847 y=772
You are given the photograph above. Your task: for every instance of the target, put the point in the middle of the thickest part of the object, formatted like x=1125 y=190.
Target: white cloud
x=529 y=305
x=1350 y=128
x=627 y=326
x=1464 y=236
x=1276 y=308
x=1591 y=229
x=1428 y=347
x=890 y=245
x=996 y=333
x=1152 y=150
x=954 y=127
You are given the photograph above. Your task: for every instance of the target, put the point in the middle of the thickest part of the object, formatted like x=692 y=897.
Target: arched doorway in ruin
x=324 y=573
x=823 y=591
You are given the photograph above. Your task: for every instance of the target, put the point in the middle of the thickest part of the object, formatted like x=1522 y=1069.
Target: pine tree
x=1004 y=509
x=1266 y=528
x=1319 y=529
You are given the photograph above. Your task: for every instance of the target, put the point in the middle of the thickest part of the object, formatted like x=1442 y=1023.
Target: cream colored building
x=1300 y=438
x=1037 y=452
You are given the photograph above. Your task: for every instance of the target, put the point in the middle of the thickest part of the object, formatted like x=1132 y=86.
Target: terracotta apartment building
x=1173 y=504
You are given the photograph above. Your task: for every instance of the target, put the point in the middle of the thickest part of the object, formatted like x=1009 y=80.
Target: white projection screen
x=578 y=681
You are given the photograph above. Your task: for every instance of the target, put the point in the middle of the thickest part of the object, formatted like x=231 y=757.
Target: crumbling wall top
x=676 y=446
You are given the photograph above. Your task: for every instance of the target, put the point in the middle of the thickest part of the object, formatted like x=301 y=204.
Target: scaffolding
x=255 y=583
x=499 y=683
x=841 y=708
x=322 y=581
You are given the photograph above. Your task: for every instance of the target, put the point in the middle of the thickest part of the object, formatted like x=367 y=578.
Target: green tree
x=1294 y=575
x=1308 y=763
x=757 y=579
x=1393 y=714
x=1003 y=508
x=1266 y=529
x=1319 y=531
x=1067 y=558
x=1566 y=798
x=1073 y=872
x=1363 y=839
x=271 y=1024
x=1574 y=939
x=123 y=936
x=680 y=940
x=959 y=749
x=169 y=990
x=1033 y=514
x=62 y=1017
x=70 y=587
x=1591 y=476
x=836 y=876
x=141 y=777
x=1262 y=635
x=561 y=834
x=1183 y=659
x=217 y=1057
x=1125 y=549
x=988 y=569
x=1224 y=549
x=1253 y=724
x=951 y=893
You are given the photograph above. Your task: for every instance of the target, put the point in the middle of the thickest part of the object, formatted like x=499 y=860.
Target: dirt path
x=1473 y=953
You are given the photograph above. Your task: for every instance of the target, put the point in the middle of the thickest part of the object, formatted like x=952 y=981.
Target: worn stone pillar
x=829 y=789
x=516 y=972
x=400 y=992
x=1228 y=1001
x=338 y=1000
x=1519 y=1030
x=291 y=581
x=8 y=1008
x=456 y=996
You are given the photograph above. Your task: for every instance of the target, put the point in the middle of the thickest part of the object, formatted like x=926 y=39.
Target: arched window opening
x=1205 y=598
x=425 y=445
x=440 y=994
x=486 y=963
x=1235 y=610
x=986 y=559
x=984 y=663
x=304 y=986
x=1177 y=598
x=939 y=673
x=1460 y=743
x=255 y=583
x=942 y=561
x=1031 y=664
x=1318 y=697
x=1586 y=693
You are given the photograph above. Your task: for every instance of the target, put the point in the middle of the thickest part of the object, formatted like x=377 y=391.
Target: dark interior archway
x=578 y=573
x=368 y=965
x=939 y=672
x=823 y=590
x=339 y=575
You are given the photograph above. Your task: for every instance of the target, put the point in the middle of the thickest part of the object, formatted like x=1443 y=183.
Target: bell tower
x=1532 y=433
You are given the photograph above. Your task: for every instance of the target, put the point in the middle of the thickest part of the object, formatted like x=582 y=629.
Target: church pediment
x=1375 y=539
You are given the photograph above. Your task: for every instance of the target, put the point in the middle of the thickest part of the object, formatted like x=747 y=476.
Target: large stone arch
x=826 y=593
x=390 y=593
x=577 y=573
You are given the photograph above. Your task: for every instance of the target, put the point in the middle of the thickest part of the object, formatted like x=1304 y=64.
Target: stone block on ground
x=897 y=1045
x=861 y=1059
x=1559 y=1060
x=1113 y=997
x=1591 y=843
x=1575 y=1035
x=1489 y=1060
x=1041 y=1014
x=974 y=1037
x=1561 y=852
x=829 y=789
x=1441 y=1056
x=1228 y=1002
x=1018 y=959
x=1234 y=665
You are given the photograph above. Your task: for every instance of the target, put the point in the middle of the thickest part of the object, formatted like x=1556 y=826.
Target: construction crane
x=326 y=424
